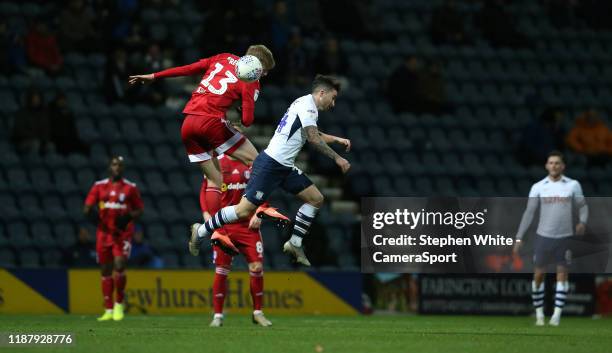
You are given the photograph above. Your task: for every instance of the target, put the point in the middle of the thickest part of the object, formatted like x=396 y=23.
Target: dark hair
x=556 y=153
x=325 y=82
x=117 y=157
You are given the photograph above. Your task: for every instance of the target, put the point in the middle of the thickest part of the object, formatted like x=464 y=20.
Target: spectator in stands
x=83 y=253
x=76 y=28
x=63 y=129
x=592 y=137
x=330 y=60
x=15 y=52
x=31 y=131
x=402 y=85
x=431 y=95
x=498 y=26
x=297 y=64
x=447 y=25
x=154 y=61
x=141 y=254
x=134 y=40
x=42 y=48
x=542 y=136
x=5 y=39
x=280 y=26
x=562 y=13
x=115 y=84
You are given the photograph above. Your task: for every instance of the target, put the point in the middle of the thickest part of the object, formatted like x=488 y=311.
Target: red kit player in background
x=205 y=132
x=245 y=235
x=118 y=204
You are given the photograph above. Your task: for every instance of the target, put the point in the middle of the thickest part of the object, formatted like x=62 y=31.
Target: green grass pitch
x=153 y=334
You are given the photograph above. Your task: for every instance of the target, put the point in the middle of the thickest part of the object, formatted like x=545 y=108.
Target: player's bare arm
x=315 y=139
x=135 y=79
x=335 y=139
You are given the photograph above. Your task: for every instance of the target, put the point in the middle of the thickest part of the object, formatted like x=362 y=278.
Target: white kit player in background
x=555 y=195
x=274 y=168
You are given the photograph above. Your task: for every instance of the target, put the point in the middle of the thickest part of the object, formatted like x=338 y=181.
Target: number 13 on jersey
x=223 y=82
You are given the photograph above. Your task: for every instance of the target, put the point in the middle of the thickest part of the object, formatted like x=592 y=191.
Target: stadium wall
x=499 y=294
x=44 y=291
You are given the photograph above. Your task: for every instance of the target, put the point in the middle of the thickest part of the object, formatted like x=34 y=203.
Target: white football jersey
x=555 y=200
x=290 y=135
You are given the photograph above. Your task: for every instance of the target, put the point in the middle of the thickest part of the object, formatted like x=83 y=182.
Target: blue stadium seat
x=52 y=258
x=170 y=259
x=18 y=235
x=41 y=180
x=7 y=258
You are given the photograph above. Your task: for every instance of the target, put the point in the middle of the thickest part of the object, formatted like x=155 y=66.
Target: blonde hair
x=264 y=55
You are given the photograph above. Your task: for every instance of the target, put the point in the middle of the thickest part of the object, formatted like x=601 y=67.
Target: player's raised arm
x=316 y=141
x=186 y=70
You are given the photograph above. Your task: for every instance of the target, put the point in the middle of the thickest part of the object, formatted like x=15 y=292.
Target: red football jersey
x=235 y=178
x=218 y=89
x=113 y=200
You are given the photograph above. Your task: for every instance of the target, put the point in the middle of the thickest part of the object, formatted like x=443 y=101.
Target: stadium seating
x=466 y=152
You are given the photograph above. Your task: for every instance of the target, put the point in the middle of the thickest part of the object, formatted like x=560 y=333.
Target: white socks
x=303 y=221
x=224 y=216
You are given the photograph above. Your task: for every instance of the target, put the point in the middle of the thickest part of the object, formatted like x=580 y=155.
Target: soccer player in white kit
x=555 y=195
x=274 y=168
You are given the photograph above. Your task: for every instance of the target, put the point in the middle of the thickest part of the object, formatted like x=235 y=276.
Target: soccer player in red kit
x=118 y=204
x=245 y=236
x=205 y=132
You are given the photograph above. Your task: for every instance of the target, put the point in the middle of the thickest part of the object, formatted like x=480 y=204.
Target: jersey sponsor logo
x=556 y=199
x=233 y=186
x=111 y=206
x=236 y=186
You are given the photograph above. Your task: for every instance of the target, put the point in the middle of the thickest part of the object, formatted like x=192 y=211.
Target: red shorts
x=109 y=247
x=203 y=134
x=248 y=242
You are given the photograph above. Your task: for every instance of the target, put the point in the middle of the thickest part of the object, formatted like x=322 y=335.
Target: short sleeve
x=577 y=190
x=308 y=115
x=535 y=191
x=135 y=199
x=92 y=196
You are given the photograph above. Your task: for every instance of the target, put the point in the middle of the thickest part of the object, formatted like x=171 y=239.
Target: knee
x=255 y=267
x=106 y=270
x=120 y=266
x=317 y=200
x=244 y=209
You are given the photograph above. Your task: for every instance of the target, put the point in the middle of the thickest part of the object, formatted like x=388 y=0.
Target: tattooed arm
x=315 y=139
x=335 y=139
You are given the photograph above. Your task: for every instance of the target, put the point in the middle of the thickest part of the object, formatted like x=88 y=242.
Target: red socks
x=107 y=291
x=120 y=281
x=219 y=288
x=257 y=283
